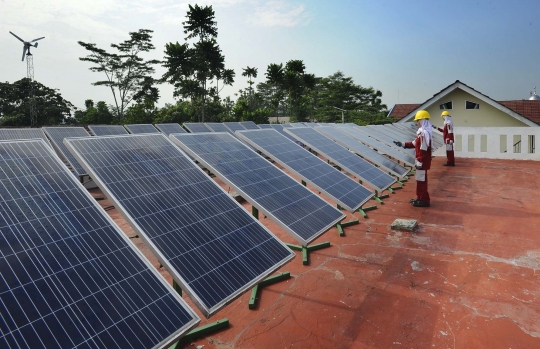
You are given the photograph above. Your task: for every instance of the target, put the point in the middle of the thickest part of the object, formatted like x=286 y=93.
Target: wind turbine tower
x=30 y=73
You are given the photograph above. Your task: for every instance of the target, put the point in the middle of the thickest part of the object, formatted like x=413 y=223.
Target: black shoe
x=420 y=203
x=412 y=200
x=449 y=165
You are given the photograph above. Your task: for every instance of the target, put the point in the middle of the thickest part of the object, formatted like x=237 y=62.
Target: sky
x=409 y=50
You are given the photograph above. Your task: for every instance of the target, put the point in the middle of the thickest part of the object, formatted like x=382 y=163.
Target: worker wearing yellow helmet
x=448 y=135
x=422 y=147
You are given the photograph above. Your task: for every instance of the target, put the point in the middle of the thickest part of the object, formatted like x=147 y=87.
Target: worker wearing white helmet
x=448 y=135
x=422 y=146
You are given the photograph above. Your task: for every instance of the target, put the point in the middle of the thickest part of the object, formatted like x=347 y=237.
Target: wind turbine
x=30 y=72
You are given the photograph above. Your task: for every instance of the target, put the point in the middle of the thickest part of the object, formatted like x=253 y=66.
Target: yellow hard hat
x=445 y=113
x=421 y=114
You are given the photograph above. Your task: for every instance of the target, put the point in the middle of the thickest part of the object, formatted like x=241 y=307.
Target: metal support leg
x=305 y=250
x=342 y=225
x=255 y=212
x=363 y=210
x=268 y=281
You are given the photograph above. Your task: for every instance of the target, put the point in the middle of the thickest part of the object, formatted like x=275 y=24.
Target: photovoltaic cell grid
x=342 y=157
x=210 y=245
x=234 y=126
x=107 y=130
x=280 y=128
x=70 y=277
x=217 y=127
x=196 y=127
x=167 y=129
x=363 y=150
x=265 y=126
x=295 y=208
x=23 y=133
x=250 y=125
x=379 y=146
x=383 y=138
x=141 y=128
x=57 y=135
x=326 y=178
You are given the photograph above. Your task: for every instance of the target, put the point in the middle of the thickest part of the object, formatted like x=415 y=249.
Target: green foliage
x=127 y=74
x=94 y=115
x=140 y=113
x=180 y=112
x=51 y=108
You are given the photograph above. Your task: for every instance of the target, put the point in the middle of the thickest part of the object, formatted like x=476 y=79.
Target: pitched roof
x=527 y=111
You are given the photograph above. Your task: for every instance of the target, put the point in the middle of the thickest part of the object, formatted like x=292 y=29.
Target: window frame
x=477 y=104
x=441 y=106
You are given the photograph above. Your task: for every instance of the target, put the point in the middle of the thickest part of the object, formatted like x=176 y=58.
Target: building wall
x=486 y=116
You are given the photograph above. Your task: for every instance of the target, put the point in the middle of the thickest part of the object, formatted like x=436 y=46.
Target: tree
x=51 y=108
x=250 y=73
x=94 y=115
x=127 y=74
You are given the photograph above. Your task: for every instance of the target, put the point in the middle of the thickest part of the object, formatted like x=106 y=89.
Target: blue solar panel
x=210 y=245
x=196 y=127
x=266 y=126
x=295 y=208
x=57 y=135
x=342 y=157
x=280 y=128
x=107 y=130
x=363 y=150
x=217 y=127
x=379 y=146
x=234 y=126
x=249 y=125
x=384 y=138
x=141 y=128
x=338 y=186
x=23 y=133
x=70 y=276
x=167 y=129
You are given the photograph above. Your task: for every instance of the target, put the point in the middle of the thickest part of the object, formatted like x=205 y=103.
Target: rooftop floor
x=466 y=279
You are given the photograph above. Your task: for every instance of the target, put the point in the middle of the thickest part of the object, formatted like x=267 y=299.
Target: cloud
x=280 y=13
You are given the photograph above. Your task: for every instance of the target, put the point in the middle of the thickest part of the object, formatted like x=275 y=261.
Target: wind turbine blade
x=16 y=36
x=23 y=52
x=38 y=39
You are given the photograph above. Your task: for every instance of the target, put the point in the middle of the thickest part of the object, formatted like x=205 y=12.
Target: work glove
x=435 y=127
x=399 y=144
x=418 y=165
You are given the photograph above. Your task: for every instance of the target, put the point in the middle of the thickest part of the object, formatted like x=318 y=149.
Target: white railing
x=518 y=143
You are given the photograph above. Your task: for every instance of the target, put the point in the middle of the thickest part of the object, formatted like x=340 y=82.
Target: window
x=471 y=105
x=447 y=106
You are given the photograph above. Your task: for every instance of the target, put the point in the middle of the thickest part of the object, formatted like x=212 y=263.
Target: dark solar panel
x=196 y=127
x=249 y=125
x=342 y=157
x=210 y=245
x=295 y=208
x=384 y=138
x=363 y=150
x=167 y=129
x=70 y=276
x=57 y=135
x=266 y=126
x=217 y=127
x=23 y=133
x=234 y=126
x=341 y=188
x=107 y=130
x=141 y=128
x=280 y=128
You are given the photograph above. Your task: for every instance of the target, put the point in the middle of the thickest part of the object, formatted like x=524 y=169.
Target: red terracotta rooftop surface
x=401 y=110
x=466 y=279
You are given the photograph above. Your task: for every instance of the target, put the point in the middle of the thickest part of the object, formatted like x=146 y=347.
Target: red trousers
x=421 y=190
x=450 y=157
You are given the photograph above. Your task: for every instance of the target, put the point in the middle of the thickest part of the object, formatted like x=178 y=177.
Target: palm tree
x=250 y=73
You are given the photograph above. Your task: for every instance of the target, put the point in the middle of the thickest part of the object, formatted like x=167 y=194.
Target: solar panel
x=57 y=135
x=379 y=146
x=23 y=133
x=363 y=150
x=217 y=127
x=280 y=128
x=210 y=245
x=250 y=125
x=383 y=138
x=342 y=189
x=286 y=125
x=292 y=206
x=70 y=276
x=342 y=157
x=167 y=129
x=234 y=126
x=196 y=127
x=297 y=124
x=107 y=130
x=141 y=128
x=267 y=126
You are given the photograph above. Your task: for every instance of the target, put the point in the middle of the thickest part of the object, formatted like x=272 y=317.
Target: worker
x=448 y=135
x=422 y=147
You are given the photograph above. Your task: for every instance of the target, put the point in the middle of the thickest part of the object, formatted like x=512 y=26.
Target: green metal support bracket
x=342 y=225
x=391 y=190
x=255 y=212
x=363 y=210
x=304 y=183
x=177 y=288
x=268 y=281
x=203 y=331
x=379 y=198
x=305 y=250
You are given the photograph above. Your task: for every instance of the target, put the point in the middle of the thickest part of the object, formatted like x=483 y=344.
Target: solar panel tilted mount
x=70 y=276
x=213 y=249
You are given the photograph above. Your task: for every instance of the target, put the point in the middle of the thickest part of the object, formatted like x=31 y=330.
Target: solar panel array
x=107 y=130
x=379 y=146
x=338 y=186
x=57 y=136
x=363 y=150
x=342 y=157
x=167 y=129
x=210 y=245
x=280 y=128
x=249 y=125
x=383 y=138
x=234 y=126
x=265 y=126
x=295 y=208
x=141 y=128
x=217 y=127
x=70 y=277
x=23 y=133
x=196 y=127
